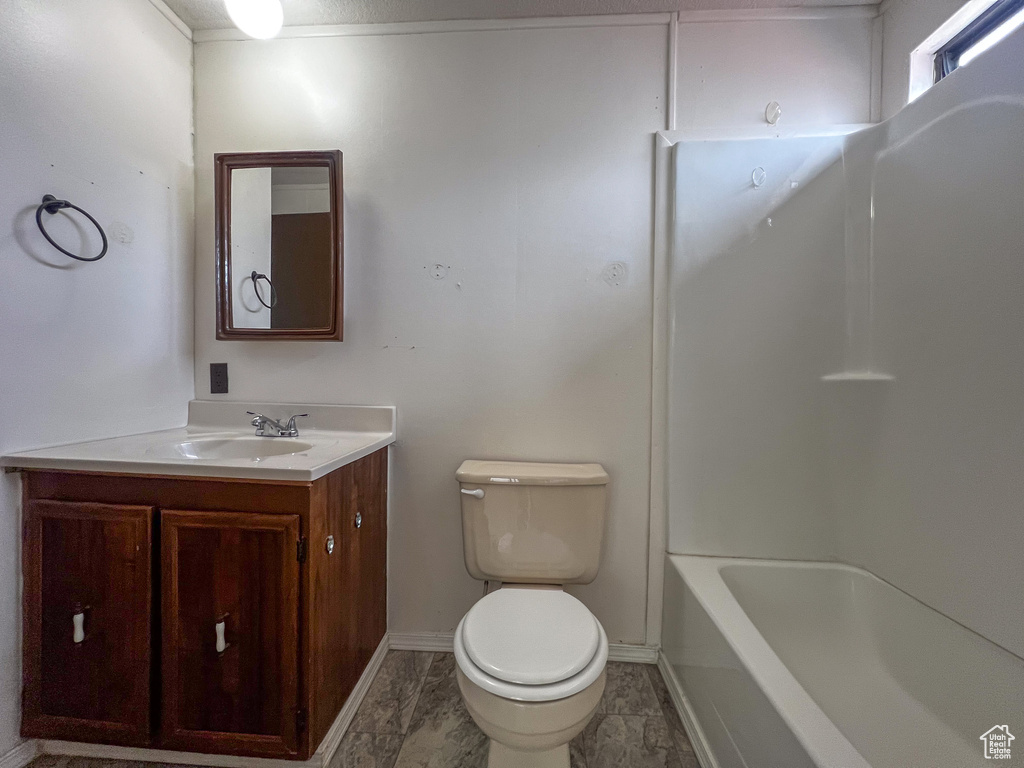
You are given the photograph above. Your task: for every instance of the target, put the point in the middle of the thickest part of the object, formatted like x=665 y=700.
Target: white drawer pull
x=477 y=492
x=78 y=621
x=219 y=627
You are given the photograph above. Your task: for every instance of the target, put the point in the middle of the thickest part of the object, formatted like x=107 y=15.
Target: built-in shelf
x=858 y=376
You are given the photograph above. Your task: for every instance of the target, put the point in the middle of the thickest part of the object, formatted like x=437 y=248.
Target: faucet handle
x=291 y=421
x=259 y=418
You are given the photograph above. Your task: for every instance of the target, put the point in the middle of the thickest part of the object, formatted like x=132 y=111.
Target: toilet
x=530 y=657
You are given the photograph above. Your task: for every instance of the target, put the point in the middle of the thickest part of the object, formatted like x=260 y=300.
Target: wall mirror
x=279 y=245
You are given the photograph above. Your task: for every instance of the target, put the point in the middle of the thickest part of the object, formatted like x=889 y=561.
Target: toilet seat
x=530 y=636
x=531 y=644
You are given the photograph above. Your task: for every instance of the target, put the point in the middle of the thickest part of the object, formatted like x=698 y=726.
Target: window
x=996 y=23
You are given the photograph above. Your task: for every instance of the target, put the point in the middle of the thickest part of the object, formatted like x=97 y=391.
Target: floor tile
x=615 y=741
x=660 y=688
x=577 y=753
x=688 y=760
x=441 y=733
x=63 y=761
x=392 y=697
x=629 y=691
x=413 y=717
x=675 y=724
x=367 y=750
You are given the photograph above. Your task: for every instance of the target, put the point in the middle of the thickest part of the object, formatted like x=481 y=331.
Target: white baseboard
x=341 y=723
x=442 y=642
x=21 y=755
x=322 y=756
x=638 y=654
x=698 y=740
x=439 y=642
x=139 y=754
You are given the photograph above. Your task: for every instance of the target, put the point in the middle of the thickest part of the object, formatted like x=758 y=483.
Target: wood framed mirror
x=280 y=245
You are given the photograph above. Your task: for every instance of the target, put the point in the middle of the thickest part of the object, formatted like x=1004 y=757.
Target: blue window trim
x=947 y=58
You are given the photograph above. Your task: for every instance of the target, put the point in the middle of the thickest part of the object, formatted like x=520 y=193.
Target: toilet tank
x=532 y=522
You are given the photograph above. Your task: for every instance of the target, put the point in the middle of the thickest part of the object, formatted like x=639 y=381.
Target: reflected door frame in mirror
x=224 y=164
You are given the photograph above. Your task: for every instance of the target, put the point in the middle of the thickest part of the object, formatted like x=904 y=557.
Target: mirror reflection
x=281 y=258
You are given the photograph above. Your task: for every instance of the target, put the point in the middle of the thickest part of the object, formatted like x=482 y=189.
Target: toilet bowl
x=531 y=669
x=530 y=657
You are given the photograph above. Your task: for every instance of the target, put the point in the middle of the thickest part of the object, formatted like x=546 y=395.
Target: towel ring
x=256 y=277
x=51 y=205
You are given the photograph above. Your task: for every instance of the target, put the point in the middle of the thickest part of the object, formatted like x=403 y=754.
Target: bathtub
x=790 y=664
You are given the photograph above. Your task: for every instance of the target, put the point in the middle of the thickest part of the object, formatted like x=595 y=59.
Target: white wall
x=756 y=311
x=96 y=105
x=816 y=63
x=905 y=25
x=930 y=464
x=251 y=194
x=519 y=160
x=301 y=190
x=301 y=198
x=757 y=293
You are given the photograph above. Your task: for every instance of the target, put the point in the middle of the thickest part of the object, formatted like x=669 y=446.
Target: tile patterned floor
x=413 y=717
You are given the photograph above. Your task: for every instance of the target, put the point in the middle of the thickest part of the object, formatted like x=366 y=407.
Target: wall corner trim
x=172 y=17
x=464 y=25
x=23 y=754
x=796 y=13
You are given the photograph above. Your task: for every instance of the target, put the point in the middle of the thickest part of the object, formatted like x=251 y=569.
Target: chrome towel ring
x=51 y=205
x=256 y=277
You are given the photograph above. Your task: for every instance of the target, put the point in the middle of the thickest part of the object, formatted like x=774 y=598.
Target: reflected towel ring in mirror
x=51 y=205
x=256 y=277
x=305 y=257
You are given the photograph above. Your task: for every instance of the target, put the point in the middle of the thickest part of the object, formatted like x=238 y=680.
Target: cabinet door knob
x=219 y=628
x=359 y=520
x=78 y=624
x=330 y=545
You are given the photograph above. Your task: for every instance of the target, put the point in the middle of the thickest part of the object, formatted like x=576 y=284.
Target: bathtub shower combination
x=816 y=664
x=846 y=387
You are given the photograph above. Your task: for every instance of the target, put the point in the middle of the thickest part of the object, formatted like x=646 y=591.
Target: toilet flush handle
x=477 y=492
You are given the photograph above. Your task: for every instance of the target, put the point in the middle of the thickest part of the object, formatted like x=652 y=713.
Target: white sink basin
x=217 y=442
x=237 y=447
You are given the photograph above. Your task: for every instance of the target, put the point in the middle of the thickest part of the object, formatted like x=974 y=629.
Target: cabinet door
x=230 y=608
x=87 y=611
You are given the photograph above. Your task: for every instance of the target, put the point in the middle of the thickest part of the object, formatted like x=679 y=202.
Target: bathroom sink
x=238 y=447
x=218 y=441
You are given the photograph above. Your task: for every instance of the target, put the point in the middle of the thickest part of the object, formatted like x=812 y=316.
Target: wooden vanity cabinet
x=220 y=615
x=230 y=631
x=87 y=615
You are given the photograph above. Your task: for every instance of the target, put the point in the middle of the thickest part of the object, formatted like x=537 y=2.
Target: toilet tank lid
x=530 y=473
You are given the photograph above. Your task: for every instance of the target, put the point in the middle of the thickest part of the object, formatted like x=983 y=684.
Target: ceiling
x=210 y=14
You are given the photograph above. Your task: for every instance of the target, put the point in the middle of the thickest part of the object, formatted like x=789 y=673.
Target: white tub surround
x=219 y=441
x=825 y=665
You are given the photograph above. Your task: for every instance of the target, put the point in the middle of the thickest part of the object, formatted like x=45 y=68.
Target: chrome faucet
x=268 y=427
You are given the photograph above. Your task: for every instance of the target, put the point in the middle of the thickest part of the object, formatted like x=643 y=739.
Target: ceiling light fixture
x=261 y=19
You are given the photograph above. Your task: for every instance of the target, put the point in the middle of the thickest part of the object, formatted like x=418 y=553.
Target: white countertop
x=332 y=436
